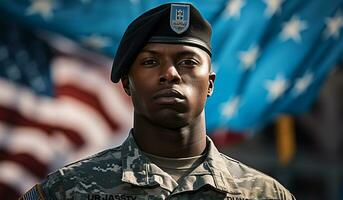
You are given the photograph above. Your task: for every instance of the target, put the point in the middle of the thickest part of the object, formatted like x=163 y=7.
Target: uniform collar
x=213 y=172
x=139 y=170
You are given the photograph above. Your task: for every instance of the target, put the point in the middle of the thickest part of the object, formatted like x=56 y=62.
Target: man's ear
x=126 y=84
x=212 y=78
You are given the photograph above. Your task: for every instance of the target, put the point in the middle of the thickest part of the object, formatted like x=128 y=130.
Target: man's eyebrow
x=187 y=53
x=148 y=51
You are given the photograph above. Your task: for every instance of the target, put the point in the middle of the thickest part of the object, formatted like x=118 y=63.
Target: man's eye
x=149 y=62
x=188 y=62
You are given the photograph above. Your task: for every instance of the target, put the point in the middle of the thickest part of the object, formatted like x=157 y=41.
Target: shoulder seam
x=229 y=158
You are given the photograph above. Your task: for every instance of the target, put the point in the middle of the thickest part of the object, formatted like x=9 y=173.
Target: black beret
x=174 y=23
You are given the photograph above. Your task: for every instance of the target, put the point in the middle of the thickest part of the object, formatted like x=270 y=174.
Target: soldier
x=164 y=64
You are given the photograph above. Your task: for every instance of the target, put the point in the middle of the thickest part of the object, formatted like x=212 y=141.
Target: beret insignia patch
x=179 y=17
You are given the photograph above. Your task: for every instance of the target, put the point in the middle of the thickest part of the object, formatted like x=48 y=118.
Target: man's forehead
x=157 y=48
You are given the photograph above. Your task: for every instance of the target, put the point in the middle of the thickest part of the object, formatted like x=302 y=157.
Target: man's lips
x=168 y=96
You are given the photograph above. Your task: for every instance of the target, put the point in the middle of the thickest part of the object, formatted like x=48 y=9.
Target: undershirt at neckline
x=176 y=167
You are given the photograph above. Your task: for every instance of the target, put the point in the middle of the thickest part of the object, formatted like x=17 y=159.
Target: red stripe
x=87 y=98
x=26 y=160
x=14 y=118
x=7 y=192
x=223 y=138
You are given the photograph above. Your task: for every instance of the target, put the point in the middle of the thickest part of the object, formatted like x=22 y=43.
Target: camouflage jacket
x=124 y=173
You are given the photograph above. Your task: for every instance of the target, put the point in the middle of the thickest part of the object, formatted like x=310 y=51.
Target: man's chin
x=172 y=120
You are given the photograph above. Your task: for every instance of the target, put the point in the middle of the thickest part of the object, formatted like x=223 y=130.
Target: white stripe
x=65 y=113
x=90 y=125
x=73 y=114
x=36 y=143
x=16 y=176
x=95 y=80
x=20 y=98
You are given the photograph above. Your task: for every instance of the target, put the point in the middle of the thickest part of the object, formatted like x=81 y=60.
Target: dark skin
x=169 y=85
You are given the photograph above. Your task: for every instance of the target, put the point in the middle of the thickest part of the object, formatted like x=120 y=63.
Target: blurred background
x=277 y=105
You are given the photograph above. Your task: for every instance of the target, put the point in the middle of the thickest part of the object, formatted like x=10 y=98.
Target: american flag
x=54 y=109
x=270 y=56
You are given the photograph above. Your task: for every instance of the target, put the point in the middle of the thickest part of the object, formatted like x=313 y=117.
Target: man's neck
x=186 y=141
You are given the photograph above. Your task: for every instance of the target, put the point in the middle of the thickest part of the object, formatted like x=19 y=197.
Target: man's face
x=169 y=83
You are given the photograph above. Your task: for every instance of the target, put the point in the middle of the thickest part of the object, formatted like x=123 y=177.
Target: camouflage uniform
x=124 y=173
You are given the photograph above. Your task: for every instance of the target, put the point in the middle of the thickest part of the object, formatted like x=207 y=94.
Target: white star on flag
x=333 y=26
x=85 y=1
x=292 y=29
x=273 y=6
x=248 y=58
x=229 y=108
x=42 y=7
x=135 y=2
x=302 y=83
x=13 y=72
x=38 y=83
x=96 y=41
x=233 y=8
x=276 y=87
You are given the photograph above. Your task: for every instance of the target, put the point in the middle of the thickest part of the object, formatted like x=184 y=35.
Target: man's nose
x=169 y=74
